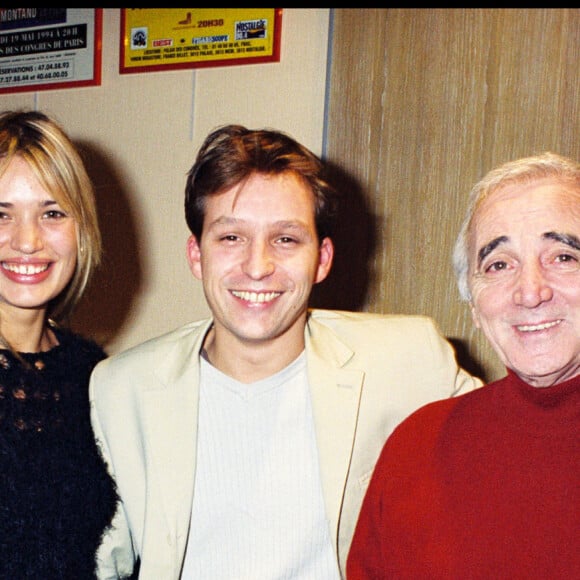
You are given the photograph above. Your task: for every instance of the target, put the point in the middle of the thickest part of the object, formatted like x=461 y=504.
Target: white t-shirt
x=258 y=509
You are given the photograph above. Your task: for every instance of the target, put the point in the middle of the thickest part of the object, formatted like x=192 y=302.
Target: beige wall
x=139 y=134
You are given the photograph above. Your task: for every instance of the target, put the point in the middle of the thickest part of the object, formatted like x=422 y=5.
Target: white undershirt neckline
x=258 y=509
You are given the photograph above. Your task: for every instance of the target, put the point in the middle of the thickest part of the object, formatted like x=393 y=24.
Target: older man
x=487 y=485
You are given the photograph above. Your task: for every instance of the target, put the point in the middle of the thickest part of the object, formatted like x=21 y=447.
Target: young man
x=242 y=445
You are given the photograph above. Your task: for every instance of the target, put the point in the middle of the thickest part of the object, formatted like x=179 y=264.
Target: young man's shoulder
x=366 y=321
x=180 y=337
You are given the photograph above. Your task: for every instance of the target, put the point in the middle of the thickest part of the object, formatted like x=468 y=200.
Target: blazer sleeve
x=116 y=556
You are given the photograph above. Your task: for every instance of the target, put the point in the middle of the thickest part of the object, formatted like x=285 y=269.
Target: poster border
x=217 y=62
x=97 y=66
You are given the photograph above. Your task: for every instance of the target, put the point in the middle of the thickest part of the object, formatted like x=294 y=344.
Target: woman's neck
x=27 y=331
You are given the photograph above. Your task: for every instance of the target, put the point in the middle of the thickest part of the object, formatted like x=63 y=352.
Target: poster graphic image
x=154 y=39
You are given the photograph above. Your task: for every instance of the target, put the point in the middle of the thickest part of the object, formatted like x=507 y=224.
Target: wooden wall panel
x=422 y=103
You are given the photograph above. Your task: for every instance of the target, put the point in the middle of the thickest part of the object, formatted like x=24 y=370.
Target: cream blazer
x=366 y=371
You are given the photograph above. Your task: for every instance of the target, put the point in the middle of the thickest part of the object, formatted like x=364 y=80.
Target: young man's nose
x=258 y=262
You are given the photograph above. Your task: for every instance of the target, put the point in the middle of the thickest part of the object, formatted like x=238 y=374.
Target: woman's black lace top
x=56 y=497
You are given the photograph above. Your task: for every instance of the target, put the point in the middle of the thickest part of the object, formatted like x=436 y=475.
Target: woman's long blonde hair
x=43 y=144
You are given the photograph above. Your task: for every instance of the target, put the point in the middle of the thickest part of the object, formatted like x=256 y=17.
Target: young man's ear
x=325 y=256
x=194 y=256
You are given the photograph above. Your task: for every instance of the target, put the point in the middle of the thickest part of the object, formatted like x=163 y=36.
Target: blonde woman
x=56 y=497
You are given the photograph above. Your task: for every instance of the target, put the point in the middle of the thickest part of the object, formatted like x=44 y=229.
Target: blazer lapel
x=335 y=393
x=171 y=414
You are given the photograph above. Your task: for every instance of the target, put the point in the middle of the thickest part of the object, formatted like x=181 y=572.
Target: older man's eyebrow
x=490 y=247
x=568 y=239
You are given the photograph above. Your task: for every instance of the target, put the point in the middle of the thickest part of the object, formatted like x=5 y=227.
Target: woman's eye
x=55 y=214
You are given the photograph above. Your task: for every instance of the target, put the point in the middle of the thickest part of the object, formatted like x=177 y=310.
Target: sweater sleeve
x=364 y=559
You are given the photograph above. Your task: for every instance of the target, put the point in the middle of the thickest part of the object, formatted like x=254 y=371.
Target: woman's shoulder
x=72 y=343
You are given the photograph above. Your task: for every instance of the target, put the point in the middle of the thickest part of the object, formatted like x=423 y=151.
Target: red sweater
x=484 y=485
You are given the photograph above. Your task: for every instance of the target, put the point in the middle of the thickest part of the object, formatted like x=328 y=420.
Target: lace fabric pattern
x=56 y=497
